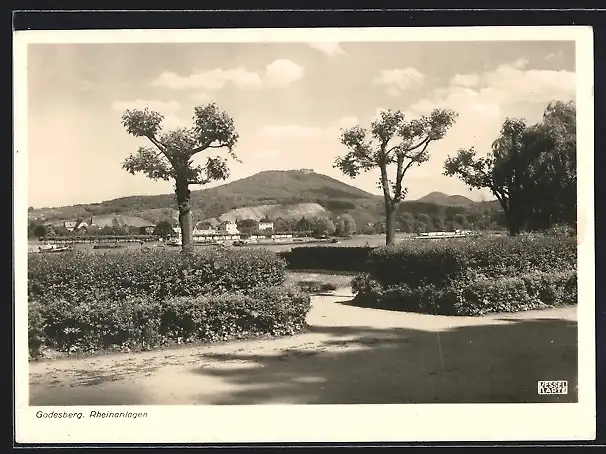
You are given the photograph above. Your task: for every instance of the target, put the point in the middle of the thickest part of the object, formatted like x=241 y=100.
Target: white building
x=204 y=228
x=228 y=227
x=266 y=226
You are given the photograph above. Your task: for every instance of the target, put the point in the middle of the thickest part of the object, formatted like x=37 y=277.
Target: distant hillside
x=273 y=193
x=439 y=198
x=258 y=212
x=111 y=220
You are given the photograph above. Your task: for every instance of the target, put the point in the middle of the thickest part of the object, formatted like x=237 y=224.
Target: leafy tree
x=350 y=224
x=438 y=223
x=284 y=224
x=379 y=227
x=530 y=170
x=339 y=226
x=249 y=226
x=49 y=231
x=172 y=157
x=93 y=229
x=549 y=192
x=323 y=226
x=392 y=141
x=163 y=228
x=40 y=231
x=368 y=229
x=461 y=221
x=303 y=225
x=406 y=222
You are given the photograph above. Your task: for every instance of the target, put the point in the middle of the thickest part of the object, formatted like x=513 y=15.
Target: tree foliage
x=392 y=140
x=163 y=228
x=323 y=226
x=531 y=170
x=172 y=155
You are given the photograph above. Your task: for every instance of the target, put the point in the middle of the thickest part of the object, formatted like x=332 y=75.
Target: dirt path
x=352 y=355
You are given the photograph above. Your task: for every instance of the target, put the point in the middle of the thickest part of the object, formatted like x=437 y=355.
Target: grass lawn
x=318 y=281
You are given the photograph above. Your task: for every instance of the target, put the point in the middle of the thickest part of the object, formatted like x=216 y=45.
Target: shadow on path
x=498 y=363
x=87 y=395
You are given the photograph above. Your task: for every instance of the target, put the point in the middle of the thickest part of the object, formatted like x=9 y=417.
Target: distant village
x=204 y=231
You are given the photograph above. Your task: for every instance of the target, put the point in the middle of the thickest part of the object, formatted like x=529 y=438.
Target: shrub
x=331 y=258
x=35 y=329
x=424 y=262
x=79 y=276
x=472 y=294
x=143 y=323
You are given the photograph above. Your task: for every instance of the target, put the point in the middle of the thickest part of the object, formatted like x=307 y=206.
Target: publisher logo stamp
x=553 y=387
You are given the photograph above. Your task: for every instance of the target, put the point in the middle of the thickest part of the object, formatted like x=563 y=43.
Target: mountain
x=272 y=193
x=439 y=198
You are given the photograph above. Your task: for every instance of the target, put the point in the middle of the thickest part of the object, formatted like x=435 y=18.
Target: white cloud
x=298 y=132
x=398 y=80
x=502 y=87
x=465 y=80
x=283 y=72
x=483 y=107
x=331 y=49
x=213 y=79
x=280 y=72
x=519 y=64
x=554 y=55
x=512 y=84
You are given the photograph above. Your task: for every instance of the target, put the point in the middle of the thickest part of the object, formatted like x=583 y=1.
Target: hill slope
x=272 y=187
x=290 y=193
x=439 y=198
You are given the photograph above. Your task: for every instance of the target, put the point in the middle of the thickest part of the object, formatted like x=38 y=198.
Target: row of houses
x=82 y=225
x=227 y=230
x=204 y=228
x=227 y=227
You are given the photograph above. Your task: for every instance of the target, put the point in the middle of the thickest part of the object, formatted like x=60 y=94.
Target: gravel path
x=351 y=355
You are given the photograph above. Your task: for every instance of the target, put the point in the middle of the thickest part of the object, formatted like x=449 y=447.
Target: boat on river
x=51 y=248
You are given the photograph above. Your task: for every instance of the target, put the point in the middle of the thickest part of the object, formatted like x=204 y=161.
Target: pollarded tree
x=391 y=141
x=173 y=152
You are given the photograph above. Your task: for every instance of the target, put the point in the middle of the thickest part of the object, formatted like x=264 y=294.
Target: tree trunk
x=390 y=224
x=185 y=218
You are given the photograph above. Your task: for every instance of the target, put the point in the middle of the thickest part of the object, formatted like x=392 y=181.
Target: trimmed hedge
x=423 y=262
x=143 y=323
x=78 y=275
x=330 y=258
x=471 y=277
x=471 y=297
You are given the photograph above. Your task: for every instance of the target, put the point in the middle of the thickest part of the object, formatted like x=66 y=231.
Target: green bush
x=83 y=276
x=143 y=323
x=472 y=295
x=330 y=258
x=423 y=262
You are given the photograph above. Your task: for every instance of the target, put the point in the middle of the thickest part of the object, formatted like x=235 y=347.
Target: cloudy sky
x=288 y=102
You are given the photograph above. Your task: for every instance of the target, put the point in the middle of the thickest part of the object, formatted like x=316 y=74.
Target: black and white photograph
x=222 y=233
